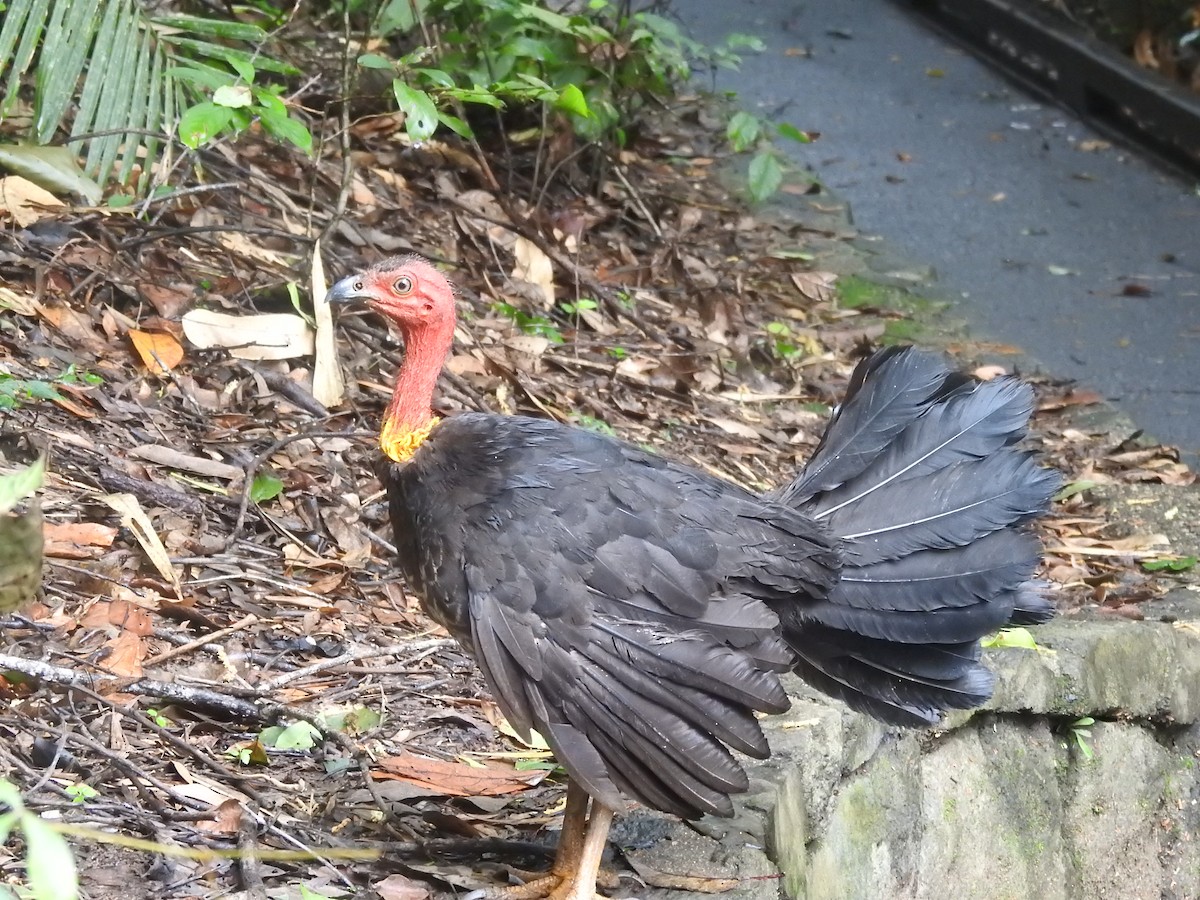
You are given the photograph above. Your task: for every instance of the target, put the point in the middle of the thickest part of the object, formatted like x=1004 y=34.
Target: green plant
x=531 y=323
x=81 y=793
x=300 y=735
x=49 y=865
x=782 y=341
x=158 y=718
x=235 y=105
x=1080 y=732
x=573 y=309
x=122 y=77
x=1171 y=564
x=265 y=487
x=15 y=391
x=591 y=423
x=597 y=68
x=746 y=132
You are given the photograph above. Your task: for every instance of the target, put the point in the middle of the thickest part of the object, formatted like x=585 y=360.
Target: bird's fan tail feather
x=918 y=475
x=886 y=394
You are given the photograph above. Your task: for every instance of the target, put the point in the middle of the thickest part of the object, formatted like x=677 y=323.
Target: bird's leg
x=581 y=884
x=570 y=838
x=568 y=858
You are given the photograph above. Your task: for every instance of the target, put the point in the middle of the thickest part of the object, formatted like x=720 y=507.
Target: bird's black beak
x=351 y=289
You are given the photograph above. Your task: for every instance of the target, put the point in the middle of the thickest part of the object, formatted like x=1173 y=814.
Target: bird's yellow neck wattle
x=400 y=442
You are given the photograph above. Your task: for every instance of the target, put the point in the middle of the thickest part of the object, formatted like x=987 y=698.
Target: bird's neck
x=409 y=418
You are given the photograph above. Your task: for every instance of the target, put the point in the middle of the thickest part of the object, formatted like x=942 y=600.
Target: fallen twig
x=195 y=698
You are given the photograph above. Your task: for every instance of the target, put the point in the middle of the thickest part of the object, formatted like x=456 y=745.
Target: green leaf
x=234 y=96
x=787 y=130
x=1011 y=638
x=455 y=124
x=297 y=736
x=437 y=77
x=48 y=861
x=283 y=126
x=1173 y=564
x=201 y=76
x=202 y=122
x=16 y=487
x=765 y=176
x=742 y=131
x=221 y=28
x=572 y=100
x=265 y=487
x=420 y=113
x=53 y=168
x=375 y=61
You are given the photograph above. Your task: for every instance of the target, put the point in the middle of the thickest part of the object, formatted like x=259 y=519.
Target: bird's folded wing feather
x=641 y=651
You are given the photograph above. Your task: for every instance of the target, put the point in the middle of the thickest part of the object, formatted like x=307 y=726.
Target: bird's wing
x=615 y=605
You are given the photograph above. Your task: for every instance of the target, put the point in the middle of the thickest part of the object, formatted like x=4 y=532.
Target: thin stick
x=244 y=622
x=421 y=648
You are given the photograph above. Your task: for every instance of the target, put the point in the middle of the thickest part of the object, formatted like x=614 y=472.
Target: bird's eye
x=403 y=285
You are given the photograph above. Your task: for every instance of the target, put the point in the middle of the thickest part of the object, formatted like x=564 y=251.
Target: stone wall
x=1005 y=803
x=1002 y=804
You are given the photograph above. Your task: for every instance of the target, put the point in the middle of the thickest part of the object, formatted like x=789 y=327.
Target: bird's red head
x=418 y=298
x=405 y=289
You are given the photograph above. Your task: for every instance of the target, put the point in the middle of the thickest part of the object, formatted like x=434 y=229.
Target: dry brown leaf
x=1071 y=398
x=19 y=303
x=125 y=654
x=266 y=336
x=535 y=267
x=167 y=300
x=176 y=459
x=160 y=352
x=25 y=201
x=732 y=426
x=397 y=887
x=76 y=540
x=702 y=884
x=816 y=286
x=134 y=518
x=329 y=388
x=456 y=779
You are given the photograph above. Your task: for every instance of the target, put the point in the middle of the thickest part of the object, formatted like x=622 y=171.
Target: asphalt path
x=1079 y=252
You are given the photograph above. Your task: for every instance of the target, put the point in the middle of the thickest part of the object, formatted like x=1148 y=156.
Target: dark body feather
x=637 y=612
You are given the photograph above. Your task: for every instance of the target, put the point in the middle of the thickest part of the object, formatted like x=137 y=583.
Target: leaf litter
x=215 y=536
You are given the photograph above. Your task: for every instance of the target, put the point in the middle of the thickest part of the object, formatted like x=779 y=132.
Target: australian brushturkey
x=637 y=612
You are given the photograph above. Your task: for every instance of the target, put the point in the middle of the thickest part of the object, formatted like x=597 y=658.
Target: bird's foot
x=550 y=886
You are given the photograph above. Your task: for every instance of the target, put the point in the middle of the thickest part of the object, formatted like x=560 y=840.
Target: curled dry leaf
x=175 y=459
x=76 y=540
x=398 y=887
x=535 y=267
x=25 y=201
x=20 y=303
x=456 y=779
x=266 y=336
x=135 y=519
x=329 y=388
x=816 y=286
x=159 y=352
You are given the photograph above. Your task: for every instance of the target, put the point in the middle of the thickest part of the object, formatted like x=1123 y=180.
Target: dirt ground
x=221 y=659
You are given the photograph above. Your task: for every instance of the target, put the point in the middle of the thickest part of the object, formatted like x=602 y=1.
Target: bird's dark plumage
x=637 y=612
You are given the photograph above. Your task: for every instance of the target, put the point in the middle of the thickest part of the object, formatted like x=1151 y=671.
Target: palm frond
x=110 y=70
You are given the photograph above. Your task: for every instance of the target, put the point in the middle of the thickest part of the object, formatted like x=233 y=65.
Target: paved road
x=954 y=166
